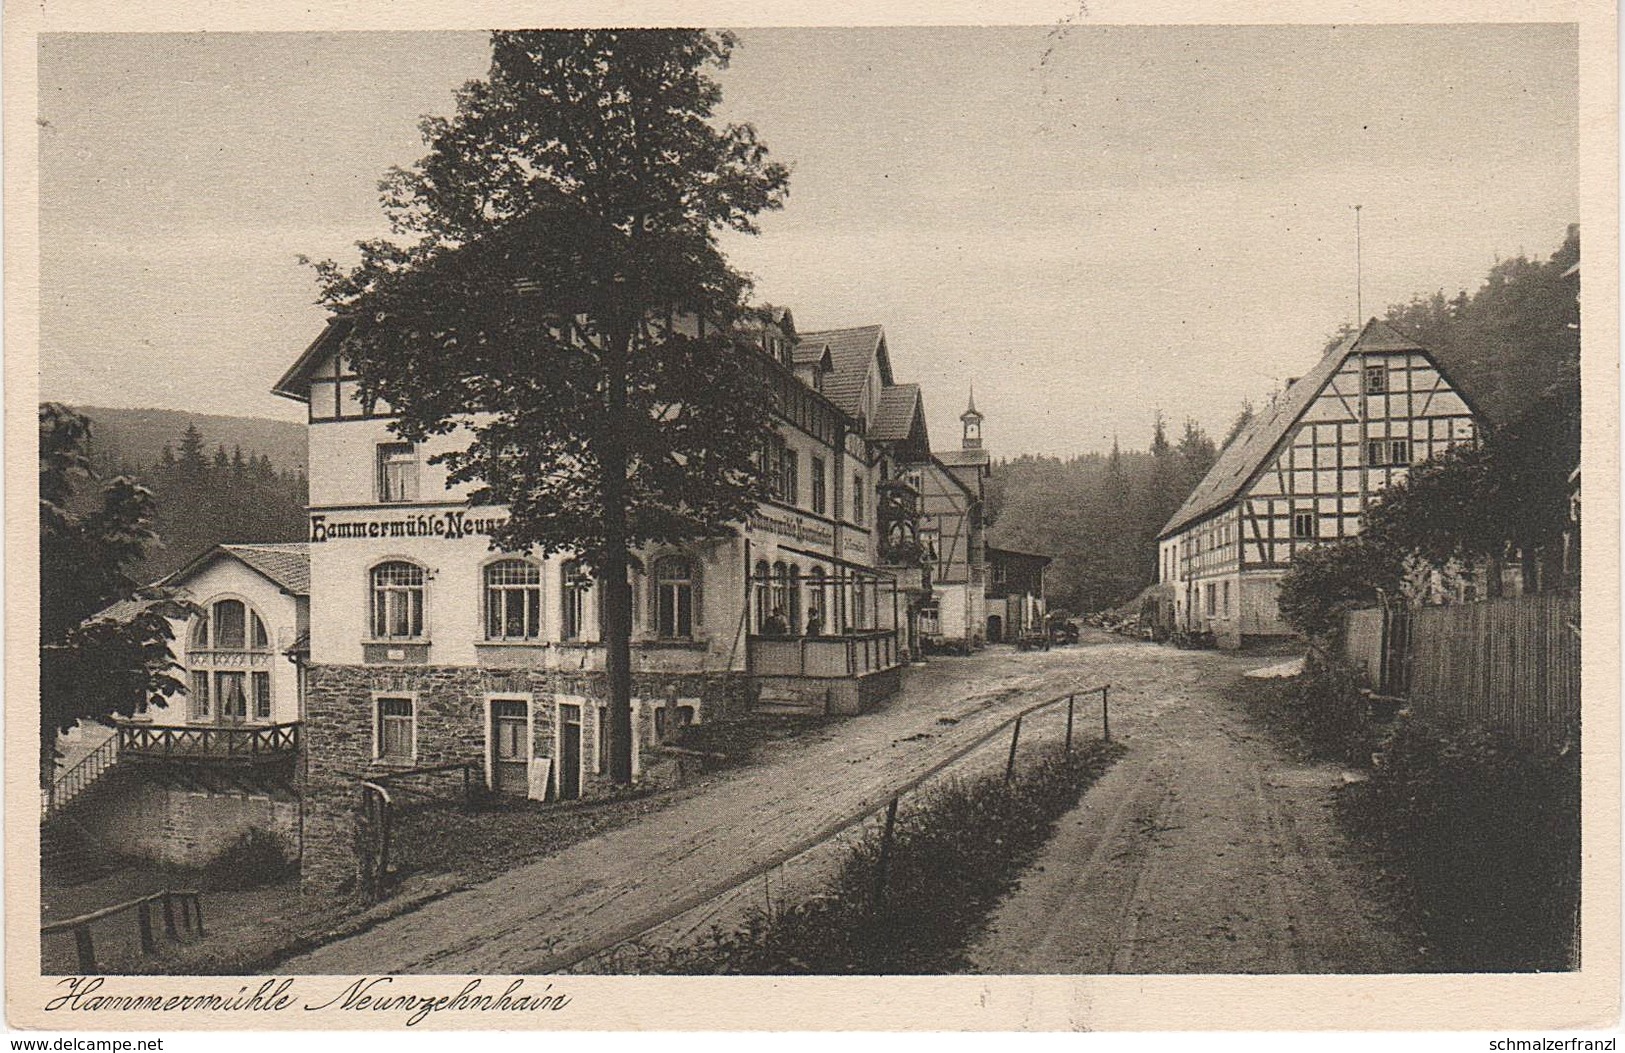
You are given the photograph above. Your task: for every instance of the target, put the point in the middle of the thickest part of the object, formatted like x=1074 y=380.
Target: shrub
x=954 y=854
x=1487 y=836
x=1336 y=719
x=258 y=857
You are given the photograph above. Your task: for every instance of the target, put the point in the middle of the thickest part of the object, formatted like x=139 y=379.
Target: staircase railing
x=90 y=768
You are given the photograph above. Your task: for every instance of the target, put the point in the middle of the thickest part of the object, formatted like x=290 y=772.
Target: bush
x=1336 y=718
x=258 y=857
x=954 y=854
x=1487 y=836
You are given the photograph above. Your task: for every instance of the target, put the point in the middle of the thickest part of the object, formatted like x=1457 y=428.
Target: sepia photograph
x=1065 y=501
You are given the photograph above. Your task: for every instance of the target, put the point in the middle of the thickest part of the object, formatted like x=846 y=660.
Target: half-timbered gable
x=1303 y=473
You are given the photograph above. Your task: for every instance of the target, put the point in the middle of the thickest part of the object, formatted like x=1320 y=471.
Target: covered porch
x=824 y=640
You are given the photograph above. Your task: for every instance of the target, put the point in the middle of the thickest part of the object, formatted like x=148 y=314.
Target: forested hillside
x=212 y=486
x=138 y=436
x=1097 y=515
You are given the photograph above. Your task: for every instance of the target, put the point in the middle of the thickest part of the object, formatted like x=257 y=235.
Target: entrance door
x=510 y=747
x=569 y=752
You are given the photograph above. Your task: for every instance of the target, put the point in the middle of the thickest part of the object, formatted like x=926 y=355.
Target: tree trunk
x=615 y=621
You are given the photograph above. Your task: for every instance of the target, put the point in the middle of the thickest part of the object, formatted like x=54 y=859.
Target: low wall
x=142 y=818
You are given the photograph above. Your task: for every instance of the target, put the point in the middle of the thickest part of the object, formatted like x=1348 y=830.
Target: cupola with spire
x=973 y=423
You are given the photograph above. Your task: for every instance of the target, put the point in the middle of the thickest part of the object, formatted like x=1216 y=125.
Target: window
x=397 y=601
x=397 y=472
x=224 y=645
x=231 y=700
x=774 y=459
x=857 y=498
x=819 y=498
x=1303 y=524
x=199 y=692
x=513 y=600
x=674 y=598
x=817 y=603
x=577 y=588
x=262 y=696
x=1381 y=453
x=762 y=586
x=790 y=475
x=1376 y=380
x=1211 y=607
x=1226 y=592
x=396 y=733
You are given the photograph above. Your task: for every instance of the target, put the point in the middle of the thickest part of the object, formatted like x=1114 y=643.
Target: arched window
x=781 y=598
x=817 y=603
x=576 y=590
x=761 y=585
x=513 y=600
x=675 y=609
x=397 y=601
x=228 y=661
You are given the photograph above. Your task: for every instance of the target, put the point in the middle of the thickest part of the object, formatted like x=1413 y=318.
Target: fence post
x=86 y=948
x=1105 y=713
x=1010 y=765
x=143 y=924
x=1070 y=699
x=883 y=866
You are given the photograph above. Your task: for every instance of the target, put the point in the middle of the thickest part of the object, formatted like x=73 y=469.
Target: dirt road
x=518 y=921
x=1206 y=849
x=1185 y=858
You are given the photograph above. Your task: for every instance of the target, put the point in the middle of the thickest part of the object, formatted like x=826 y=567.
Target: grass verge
x=957 y=849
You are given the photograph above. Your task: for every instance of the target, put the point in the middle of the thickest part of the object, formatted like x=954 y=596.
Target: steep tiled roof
x=895 y=419
x=851 y=350
x=962 y=458
x=1253 y=447
x=286 y=565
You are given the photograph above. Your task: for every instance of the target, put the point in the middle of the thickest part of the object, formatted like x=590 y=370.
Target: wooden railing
x=188 y=904
x=208 y=743
x=90 y=768
x=852 y=654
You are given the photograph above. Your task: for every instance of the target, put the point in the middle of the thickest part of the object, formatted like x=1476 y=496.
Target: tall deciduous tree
x=560 y=217
x=104 y=668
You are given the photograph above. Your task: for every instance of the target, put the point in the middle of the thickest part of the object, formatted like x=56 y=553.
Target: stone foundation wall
x=142 y=818
x=451 y=720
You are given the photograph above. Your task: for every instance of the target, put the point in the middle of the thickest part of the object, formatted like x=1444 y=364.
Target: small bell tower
x=972 y=420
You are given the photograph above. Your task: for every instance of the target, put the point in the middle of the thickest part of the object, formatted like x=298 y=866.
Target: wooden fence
x=1510 y=663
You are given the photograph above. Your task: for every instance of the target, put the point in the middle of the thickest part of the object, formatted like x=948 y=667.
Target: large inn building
x=427 y=646
x=1302 y=474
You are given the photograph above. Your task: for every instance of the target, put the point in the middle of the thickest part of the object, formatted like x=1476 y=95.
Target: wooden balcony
x=849 y=655
x=242 y=743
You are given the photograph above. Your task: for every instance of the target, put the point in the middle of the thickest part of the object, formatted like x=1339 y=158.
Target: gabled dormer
x=323 y=380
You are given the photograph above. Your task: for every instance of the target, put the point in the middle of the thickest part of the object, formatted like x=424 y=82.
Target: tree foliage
x=575 y=195
x=569 y=207
x=103 y=668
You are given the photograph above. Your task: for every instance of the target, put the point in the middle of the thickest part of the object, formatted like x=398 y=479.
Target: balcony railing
x=248 y=742
x=851 y=654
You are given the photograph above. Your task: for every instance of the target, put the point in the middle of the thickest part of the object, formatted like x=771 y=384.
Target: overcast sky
x=1090 y=225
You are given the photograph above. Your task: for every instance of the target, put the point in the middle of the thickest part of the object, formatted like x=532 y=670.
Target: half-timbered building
x=1302 y=474
x=951 y=486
